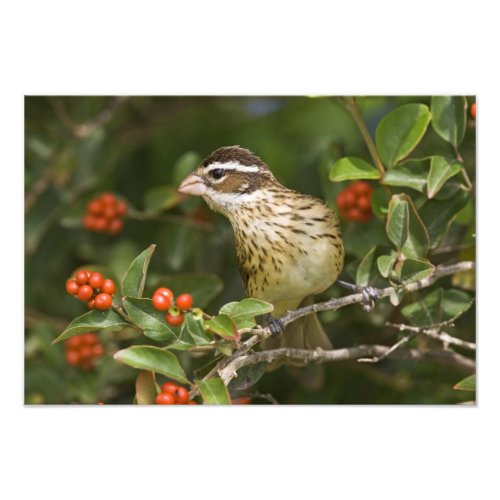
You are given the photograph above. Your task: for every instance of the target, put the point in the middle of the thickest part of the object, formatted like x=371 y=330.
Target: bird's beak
x=193 y=185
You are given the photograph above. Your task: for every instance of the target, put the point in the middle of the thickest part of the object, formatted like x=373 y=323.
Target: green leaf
x=145 y=388
x=385 y=263
x=466 y=384
x=438 y=215
x=350 y=167
x=133 y=281
x=222 y=325
x=214 y=392
x=398 y=221
x=154 y=359
x=148 y=319
x=415 y=270
x=203 y=287
x=449 y=118
x=91 y=321
x=416 y=245
x=380 y=202
x=437 y=306
x=441 y=170
x=399 y=132
x=410 y=174
x=367 y=272
x=184 y=166
x=161 y=198
x=245 y=311
x=193 y=333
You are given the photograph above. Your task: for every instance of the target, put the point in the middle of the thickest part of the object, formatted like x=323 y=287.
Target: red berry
x=165 y=291
x=100 y=224
x=85 y=352
x=165 y=398
x=361 y=188
x=364 y=203
x=121 y=208
x=192 y=402
x=103 y=301
x=473 y=110
x=353 y=214
x=74 y=342
x=184 y=302
x=115 y=226
x=182 y=396
x=86 y=364
x=108 y=199
x=169 y=387
x=108 y=286
x=72 y=287
x=109 y=212
x=243 y=400
x=97 y=350
x=349 y=199
x=94 y=206
x=174 y=319
x=73 y=357
x=89 y=339
x=161 y=302
x=85 y=292
x=96 y=279
x=82 y=278
x=91 y=304
x=89 y=222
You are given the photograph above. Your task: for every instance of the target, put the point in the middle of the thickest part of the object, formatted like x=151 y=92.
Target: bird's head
x=227 y=178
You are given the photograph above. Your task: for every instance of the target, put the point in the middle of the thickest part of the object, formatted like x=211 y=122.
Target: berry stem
x=464 y=174
x=352 y=107
x=119 y=310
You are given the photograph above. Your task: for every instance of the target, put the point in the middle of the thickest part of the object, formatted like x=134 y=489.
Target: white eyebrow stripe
x=232 y=165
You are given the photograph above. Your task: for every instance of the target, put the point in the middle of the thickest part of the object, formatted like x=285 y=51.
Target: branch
x=261 y=333
x=443 y=357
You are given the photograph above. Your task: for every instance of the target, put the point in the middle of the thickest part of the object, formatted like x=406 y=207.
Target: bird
x=289 y=244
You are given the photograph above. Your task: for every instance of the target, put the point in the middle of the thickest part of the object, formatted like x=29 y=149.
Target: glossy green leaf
x=153 y=359
x=145 y=388
x=415 y=270
x=466 y=384
x=192 y=334
x=148 y=319
x=203 y=287
x=350 y=167
x=239 y=320
x=160 y=198
x=437 y=306
x=214 y=392
x=222 y=325
x=398 y=221
x=410 y=174
x=441 y=170
x=91 y=321
x=399 y=132
x=416 y=245
x=380 y=202
x=385 y=263
x=449 y=118
x=135 y=277
x=439 y=214
x=250 y=308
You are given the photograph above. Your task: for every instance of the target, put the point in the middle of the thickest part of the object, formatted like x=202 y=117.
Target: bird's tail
x=304 y=333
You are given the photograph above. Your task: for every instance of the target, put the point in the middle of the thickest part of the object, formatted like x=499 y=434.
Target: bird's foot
x=275 y=326
x=370 y=294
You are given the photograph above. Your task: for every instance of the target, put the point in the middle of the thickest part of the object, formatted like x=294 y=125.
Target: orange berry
x=165 y=398
x=473 y=110
x=89 y=222
x=360 y=188
x=161 y=302
x=121 y=208
x=100 y=224
x=115 y=226
x=89 y=339
x=72 y=357
x=174 y=318
x=94 y=206
x=349 y=199
x=108 y=199
x=364 y=203
x=181 y=396
x=169 y=387
x=96 y=279
x=72 y=286
x=82 y=278
x=103 y=301
x=91 y=304
x=108 y=286
x=74 y=342
x=97 y=350
x=184 y=301
x=165 y=291
x=85 y=292
x=354 y=214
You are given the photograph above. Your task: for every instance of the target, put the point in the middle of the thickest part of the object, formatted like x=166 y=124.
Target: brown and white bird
x=289 y=244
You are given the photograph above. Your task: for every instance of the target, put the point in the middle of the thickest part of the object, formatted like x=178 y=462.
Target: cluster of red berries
x=163 y=300
x=93 y=289
x=81 y=350
x=173 y=394
x=355 y=202
x=105 y=214
x=473 y=111
x=242 y=400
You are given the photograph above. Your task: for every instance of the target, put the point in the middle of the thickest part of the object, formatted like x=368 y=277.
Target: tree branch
x=444 y=357
x=261 y=333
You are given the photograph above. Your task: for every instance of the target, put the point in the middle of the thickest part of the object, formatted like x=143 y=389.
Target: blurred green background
x=140 y=148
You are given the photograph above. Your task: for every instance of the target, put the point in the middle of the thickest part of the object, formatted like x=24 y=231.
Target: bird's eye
x=218 y=173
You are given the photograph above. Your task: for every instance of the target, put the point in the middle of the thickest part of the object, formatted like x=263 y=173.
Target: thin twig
x=391 y=349
x=352 y=107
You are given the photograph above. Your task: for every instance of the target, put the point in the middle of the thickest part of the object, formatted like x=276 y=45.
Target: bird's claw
x=370 y=294
x=275 y=325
